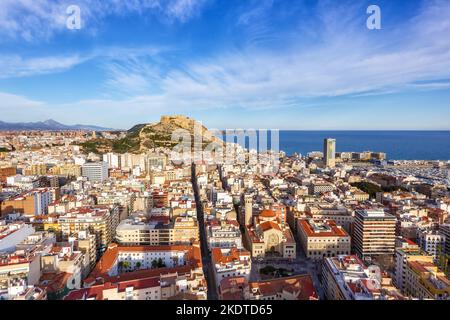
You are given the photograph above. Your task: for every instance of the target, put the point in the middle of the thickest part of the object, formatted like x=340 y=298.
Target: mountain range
x=49 y=125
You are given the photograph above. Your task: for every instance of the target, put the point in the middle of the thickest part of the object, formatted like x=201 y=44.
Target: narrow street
x=301 y=265
x=206 y=256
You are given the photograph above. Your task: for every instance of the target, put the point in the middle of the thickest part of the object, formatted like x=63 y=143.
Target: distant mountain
x=50 y=125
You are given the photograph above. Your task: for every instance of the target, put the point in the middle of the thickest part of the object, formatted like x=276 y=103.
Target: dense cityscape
x=84 y=218
x=216 y=158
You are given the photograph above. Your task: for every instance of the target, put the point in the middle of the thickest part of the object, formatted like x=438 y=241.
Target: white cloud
x=413 y=56
x=183 y=10
x=358 y=62
x=11 y=105
x=13 y=101
x=17 y=66
x=35 y=20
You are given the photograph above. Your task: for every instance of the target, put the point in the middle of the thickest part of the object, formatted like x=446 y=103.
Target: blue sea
x=398 y=145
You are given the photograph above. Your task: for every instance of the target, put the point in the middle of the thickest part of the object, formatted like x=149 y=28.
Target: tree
x=120 y=265
x=138 y=265
x=161 y=264
x=126 y=265
x=267 y=270
x=154 y=264
x=442 y=259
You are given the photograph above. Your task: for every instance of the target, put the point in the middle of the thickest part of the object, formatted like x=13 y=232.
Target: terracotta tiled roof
x=234 y=254
x=107 y=261
x=269 y=225
x=267 y=214
x=300 y=285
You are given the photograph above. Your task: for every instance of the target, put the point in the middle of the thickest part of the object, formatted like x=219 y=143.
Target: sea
x=398 y=145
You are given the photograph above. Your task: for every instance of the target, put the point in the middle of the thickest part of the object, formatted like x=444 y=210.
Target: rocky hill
x=143 y=137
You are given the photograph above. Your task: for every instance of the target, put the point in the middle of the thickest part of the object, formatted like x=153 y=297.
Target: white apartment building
x=18 y=270
x=444 y=229
x=112 y=159
x=223 y=234
x=431 y=242
x=95 y=171
x=231 y=263
x=12 y=234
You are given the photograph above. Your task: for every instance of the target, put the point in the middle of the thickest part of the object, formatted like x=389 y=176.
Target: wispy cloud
x=346 y=59
x=183 y=10
x=17 y=66
x=357 y=62
x=36 y=20
x=14 y=66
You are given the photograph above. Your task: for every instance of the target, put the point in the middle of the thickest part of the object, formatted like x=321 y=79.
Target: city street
x=206 y=256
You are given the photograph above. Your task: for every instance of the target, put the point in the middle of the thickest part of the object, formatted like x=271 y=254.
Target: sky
x=272 y=64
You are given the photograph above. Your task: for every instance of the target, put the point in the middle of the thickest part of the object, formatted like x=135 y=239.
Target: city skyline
x=224 y=157
x=303 y=65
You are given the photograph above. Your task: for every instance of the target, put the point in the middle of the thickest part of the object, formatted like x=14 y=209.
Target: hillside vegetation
x=143 y=137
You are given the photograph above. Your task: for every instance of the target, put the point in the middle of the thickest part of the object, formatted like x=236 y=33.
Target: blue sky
x=282 y=64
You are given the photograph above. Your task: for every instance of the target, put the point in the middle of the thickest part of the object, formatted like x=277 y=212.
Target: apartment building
x=345 y=277
x=12 y=234
x=95 y=171
x=62 y=270
x=319 y=187
x=66 y=170
x=423 y=280
x=418 y=277
x=299 y=287
x=373 y=233
x=30 y=203
x=230 y=263
x=223 y=234
x=323 y=238
x=340 y=214
x=432 y=242
x=157 y=231
x=112 y=159
x=147 y=285
x=444 y=229
x=6 y=172
x=178 y=268
x=119 y=259
x=35 y=170
x=99 y=220
x=86 y=242
x=18 y=271
x=404 y=251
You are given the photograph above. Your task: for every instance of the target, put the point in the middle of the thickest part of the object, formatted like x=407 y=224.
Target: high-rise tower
x=329 y=152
